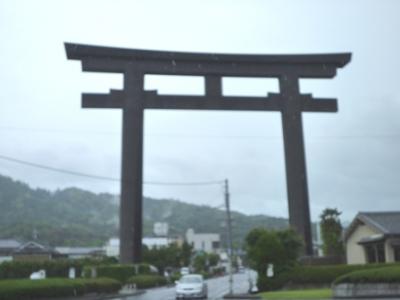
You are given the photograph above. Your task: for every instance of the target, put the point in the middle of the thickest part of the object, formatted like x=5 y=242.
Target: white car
x=191 y=286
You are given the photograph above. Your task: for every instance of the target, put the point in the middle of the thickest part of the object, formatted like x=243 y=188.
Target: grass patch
x=299 y=294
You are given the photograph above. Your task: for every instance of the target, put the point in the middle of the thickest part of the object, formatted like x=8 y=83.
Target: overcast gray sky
x=352 y=156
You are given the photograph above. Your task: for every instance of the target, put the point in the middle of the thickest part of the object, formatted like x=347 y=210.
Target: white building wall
x=202 y=241
x=354 y=252
x=112 y=247
x=389 y=253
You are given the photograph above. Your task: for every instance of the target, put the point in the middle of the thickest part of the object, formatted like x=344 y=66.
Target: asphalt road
x=217 y=288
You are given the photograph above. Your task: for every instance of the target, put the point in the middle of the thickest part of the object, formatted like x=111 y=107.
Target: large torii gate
x=133 y=99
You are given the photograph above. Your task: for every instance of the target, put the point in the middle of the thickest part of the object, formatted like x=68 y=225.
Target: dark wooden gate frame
x=133 y=100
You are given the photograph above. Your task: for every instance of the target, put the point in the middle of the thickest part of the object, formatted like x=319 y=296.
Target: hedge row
x=54 y=268
x=116 y=271
x=147 y=281
x=325 y=274
x=55 y=287
x=312 y=275
x=175 y=277
x=379 y=275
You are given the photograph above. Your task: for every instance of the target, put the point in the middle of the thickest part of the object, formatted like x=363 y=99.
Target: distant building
x=160 y=229
x=33 y=251
x=112 y=247
x=81 y=252
x=7 y=247
x=207 y=242
x=156 y=242
x=373 y=237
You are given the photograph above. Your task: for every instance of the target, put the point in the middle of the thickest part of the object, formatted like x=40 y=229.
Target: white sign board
x=270 y=270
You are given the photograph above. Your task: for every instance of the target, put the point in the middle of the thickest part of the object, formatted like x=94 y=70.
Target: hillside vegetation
x=75 y=217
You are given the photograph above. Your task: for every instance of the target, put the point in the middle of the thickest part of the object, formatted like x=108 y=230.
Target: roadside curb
x=241 y=296
x=101 y=296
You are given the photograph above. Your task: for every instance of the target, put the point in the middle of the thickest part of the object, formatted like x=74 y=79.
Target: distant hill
x=73 y=216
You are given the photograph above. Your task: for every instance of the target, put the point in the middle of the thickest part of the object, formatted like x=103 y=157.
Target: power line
x=185 y=183
x=197 y=135
x=99 y=177
x=49 y=168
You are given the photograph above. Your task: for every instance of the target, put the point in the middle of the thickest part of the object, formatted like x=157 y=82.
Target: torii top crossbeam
x=133 y=99
x=212 y=67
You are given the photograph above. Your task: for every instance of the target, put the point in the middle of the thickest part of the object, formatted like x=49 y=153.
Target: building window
x=396 y=251
x=215 y=245
x=380 y=248
x=375 y=253
x=370 y=253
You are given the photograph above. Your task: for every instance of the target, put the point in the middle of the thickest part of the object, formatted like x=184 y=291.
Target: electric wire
x=100 y=177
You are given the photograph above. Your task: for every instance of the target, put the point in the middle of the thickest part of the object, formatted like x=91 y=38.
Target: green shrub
x=144 y=269
x=100 y=285
x=54 y=268
x=326 y=274
x=377 y=275
x=147 y=281
x=117 y=272
x=265 y=283
x=311 y=275
x=56 y=287
x=175 y=277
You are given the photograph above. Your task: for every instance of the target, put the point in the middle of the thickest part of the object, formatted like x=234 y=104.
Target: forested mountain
x=77 y=217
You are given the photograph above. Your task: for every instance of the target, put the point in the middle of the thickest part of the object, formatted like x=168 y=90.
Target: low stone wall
x=366 y=290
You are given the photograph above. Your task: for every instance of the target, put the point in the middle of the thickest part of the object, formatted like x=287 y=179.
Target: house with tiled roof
x=7 y=247
x=373 y=237
x=33 y=251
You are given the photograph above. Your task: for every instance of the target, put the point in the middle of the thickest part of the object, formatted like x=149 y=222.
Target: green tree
x=331 y=231
x=267 y=249
x=292 y=244
x=213 y=259
x=186 y=254
x=200 y=262
x=168 y=256
x=279 y=248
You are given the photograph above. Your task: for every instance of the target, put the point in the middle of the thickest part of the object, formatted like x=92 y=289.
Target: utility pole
x=229 y=235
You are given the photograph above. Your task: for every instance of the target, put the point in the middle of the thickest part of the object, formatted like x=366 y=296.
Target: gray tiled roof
x=33 y=247
x=78 y=250
x=385 y=222
x=9 y=244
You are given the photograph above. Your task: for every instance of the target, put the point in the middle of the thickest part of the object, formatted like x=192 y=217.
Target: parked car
x=191 y=286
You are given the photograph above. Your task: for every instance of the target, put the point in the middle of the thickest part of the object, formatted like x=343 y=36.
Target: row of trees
x=175 y=257
x=172 y=256
x=265 y=246
x=280 y=248
x=283 y=248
